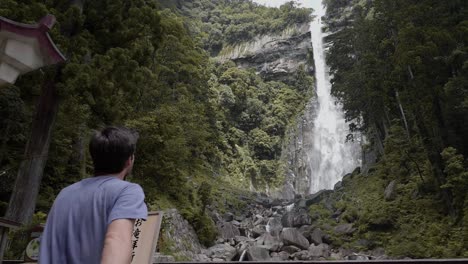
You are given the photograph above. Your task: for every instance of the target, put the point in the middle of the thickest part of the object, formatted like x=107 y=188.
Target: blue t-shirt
x=77 y=223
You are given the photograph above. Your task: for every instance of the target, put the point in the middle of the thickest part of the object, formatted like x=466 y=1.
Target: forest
x=399 y=67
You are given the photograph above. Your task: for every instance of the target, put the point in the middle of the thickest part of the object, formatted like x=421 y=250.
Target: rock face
x=295 y=153
x=274 y=57
x=183 y=238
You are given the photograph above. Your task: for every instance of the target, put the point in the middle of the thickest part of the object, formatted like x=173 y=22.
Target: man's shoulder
x=119 y=186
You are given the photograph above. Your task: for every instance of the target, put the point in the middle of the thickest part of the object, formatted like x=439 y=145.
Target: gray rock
x=346 y=179
x=301 y=219
x=228 y=217
x=338 y=185
x=317 y=197
x=389 y=193
x=287 y=220
x=296 y=218
x=344 y=229
x=258 y=231
x=158 y=258
x=228 y=230
x=290 y=249
x=322 y=250
x=199 y=258
x=258 y=253
x=326 y=238
x=336 y=256
x=356 y=257
x=259 y=220
x=288 y=192
x=272 y=243
x=274 y=57
x=316 y=236
x=302 y=203
x=304 y=255
x=222 y=251
x=240 y=239
x=279 y=256
x=291 y=236
x=306 y=230
x=183 y=238
x=274 y=226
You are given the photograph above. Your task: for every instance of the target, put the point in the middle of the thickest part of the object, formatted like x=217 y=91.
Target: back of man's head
x=111 y=148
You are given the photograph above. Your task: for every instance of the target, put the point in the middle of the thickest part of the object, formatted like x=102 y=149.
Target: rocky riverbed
x=270 y=230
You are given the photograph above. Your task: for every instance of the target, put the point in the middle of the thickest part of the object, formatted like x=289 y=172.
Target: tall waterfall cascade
x=330 y=157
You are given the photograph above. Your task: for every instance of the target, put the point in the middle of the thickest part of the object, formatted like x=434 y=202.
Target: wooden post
x=24 y=196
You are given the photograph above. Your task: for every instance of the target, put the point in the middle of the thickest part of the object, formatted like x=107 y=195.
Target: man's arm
x=118 y=242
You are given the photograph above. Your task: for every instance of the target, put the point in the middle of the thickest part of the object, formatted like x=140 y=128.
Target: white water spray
x=330 y=157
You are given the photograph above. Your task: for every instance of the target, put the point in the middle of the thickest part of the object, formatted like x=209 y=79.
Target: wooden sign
x=145 y=237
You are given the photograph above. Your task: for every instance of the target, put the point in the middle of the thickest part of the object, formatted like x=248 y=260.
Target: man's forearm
x=118 y=243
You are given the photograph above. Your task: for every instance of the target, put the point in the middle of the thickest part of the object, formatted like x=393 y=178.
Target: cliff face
x=274 y=57
x=299 y=140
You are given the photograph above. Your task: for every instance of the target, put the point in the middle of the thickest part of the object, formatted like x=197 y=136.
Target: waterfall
x=329 y=156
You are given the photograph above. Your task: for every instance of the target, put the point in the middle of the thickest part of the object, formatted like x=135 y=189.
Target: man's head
x=112 y=150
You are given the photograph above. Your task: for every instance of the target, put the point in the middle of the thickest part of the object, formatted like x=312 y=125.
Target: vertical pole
x=24 y=196
x=3 y=241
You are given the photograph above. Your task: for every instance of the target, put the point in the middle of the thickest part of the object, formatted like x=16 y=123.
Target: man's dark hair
x=111 y=148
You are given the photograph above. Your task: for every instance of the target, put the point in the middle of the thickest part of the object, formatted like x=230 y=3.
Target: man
x=92 y=220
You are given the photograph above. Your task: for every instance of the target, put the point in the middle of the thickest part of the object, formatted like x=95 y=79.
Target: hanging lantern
x=24 y=48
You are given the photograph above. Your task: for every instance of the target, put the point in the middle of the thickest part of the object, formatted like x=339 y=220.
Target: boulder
x=222 y=251
x=356 y=257
x=240 y=239
x=389 y=193
x=274 y=226
x=228 y=230
x=317 y=197
x=258 y=231
x=279 y=256
x=303 y=255
x=296 y=218
x=228 y=217
x=326 y=238
x=321 y=250
x=291 y=236
x=306 y=230
x=159 y=258
x=290 y=249
x=259 y=220
x=316 y=236
x=198 y=258
x=337 y=186
x=344 y=229
x=288 y=219
x=301 y=219
x=258 y=253
x=272 y=243
x=288 y=191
